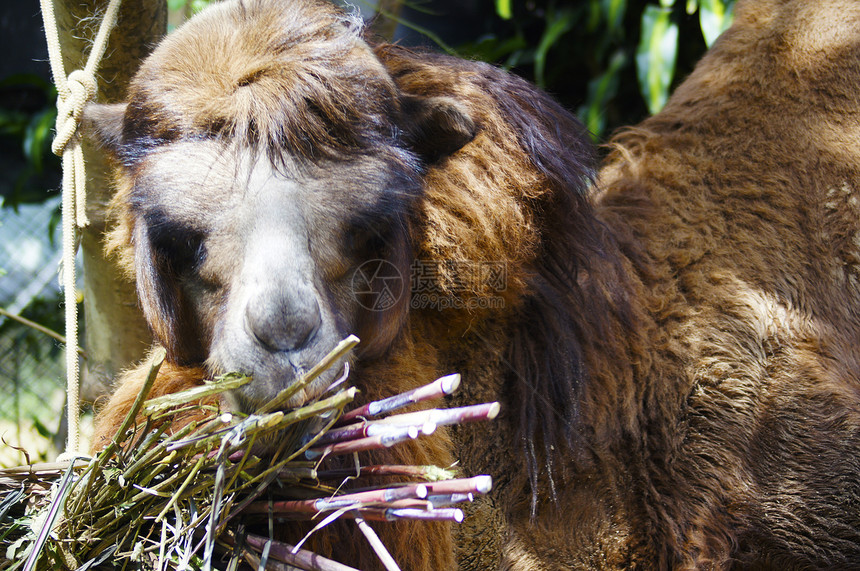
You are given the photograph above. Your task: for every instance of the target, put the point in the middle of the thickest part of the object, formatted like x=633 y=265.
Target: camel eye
x=178 y=245
x=366 y=241
x=185 y=251
x=370 y=239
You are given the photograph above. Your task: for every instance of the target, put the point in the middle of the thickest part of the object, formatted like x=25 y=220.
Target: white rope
x=73 y=93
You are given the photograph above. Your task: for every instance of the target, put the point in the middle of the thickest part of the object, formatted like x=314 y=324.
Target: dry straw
x=177 y=499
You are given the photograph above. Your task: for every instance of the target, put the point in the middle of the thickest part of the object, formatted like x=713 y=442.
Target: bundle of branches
x=163 y=498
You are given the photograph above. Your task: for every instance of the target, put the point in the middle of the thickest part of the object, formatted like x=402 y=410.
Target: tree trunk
x=116 y=334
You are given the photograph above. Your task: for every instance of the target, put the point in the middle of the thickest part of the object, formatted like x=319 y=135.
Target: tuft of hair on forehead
x=277 y=77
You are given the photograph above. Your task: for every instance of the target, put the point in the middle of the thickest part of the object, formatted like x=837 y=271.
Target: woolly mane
x=287 y=88
x=518 y=194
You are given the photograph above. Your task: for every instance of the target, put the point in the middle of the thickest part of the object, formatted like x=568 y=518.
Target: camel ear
x=436 y=127
x=103 y=124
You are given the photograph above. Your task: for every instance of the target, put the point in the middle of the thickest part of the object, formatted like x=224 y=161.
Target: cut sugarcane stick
x=437 y=389
x=423 y=418
x=384 y=440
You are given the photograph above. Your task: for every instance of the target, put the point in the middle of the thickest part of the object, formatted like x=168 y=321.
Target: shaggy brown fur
x=675 y=353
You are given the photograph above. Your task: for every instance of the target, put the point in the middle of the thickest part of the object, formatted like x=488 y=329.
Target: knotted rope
x=73 y=93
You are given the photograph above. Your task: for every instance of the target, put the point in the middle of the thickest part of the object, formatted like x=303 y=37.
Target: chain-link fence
x=32 y=377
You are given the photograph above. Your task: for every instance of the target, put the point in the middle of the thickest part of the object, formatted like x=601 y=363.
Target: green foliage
x=715 y=17
x=615 y=61
x=503 y=9
x=29 y=131
x=656 y=54
x=612 y=12
x=558 y=24
x=187 y=7
x=180 y=10
x=601 y=90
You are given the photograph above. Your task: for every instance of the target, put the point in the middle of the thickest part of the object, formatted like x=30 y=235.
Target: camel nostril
x=283 y=324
